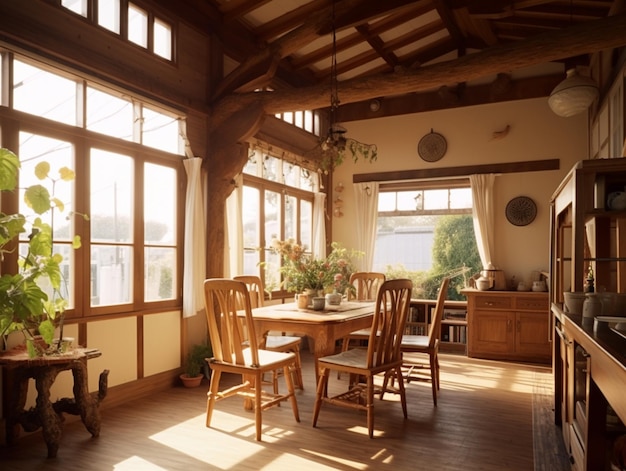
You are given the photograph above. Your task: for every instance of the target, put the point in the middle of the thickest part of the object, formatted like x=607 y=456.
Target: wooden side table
x=46 y=414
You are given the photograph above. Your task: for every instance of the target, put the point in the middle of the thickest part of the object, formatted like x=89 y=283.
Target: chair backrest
x=255 y=289
x=391 y=311
x=435 y=326
x=223 y=299
x=366 y=285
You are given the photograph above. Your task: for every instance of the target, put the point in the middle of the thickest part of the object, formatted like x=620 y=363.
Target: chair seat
x=362 y=333
x=353 y=358
x=281 y=341
x=267 y=359
x=418 y=342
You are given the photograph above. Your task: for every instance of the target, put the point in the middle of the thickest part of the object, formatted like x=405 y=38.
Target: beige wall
x=535 y=134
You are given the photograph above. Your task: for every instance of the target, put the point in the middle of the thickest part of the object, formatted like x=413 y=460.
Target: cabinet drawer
x=492 y=302
x=532 y=303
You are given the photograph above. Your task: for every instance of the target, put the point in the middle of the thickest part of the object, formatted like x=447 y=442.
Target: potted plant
x=195 y=365
x=24 y=305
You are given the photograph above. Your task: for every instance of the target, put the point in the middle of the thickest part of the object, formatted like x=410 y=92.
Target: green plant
x=302 y=271
x=196 y=359
x=24 y=306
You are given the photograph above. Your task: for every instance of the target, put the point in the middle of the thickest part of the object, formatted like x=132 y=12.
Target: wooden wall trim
x=442 y=172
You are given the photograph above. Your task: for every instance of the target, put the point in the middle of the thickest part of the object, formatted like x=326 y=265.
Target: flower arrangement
x=302 y=271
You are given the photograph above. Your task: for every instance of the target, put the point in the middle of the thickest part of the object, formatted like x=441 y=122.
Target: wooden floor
x=484 y=421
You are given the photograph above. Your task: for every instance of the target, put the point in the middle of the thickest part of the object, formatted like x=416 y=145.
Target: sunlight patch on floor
x=218 y=445
x=136 y=463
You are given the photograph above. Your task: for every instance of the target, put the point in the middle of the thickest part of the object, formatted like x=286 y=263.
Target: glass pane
x=162 y=39
x=108 y=114
x=252 y=165
x=160 y=131
x=109 y=15
x=137 y=25
x=460 y=198
x=251 y=214
x=291 y=217
x=270 y=168
x=291 y=174
x=306 y=223
x=272 y=270
x=77 y=6
x=32 y=93
x=308 y=121
x=111 y=197
x=299 y=121
x=160 y=273
x=35 y=149
x=436 y=199
x=111 y=281
x=159 y=204
x=408 y=200
x=387 y=201
x=272 y=216
x=251 y=260
x=307 y=179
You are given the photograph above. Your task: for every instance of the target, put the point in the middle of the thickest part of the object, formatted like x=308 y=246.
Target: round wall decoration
x=521 y=211
x=432 y=147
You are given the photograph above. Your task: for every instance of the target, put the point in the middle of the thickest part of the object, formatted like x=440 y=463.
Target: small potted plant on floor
x=194 y=365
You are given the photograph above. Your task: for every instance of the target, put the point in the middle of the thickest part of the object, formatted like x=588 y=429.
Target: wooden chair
x=426 y=345
x=274 y=343
x=366 y=285
x=234 y=353
x=382 y=356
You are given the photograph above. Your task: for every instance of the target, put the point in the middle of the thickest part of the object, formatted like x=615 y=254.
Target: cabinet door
x=492 y=332
x=531 y=334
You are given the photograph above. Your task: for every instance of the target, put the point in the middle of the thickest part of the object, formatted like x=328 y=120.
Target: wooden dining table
x=324 y=327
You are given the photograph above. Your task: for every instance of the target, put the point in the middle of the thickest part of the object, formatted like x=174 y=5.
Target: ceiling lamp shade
x=573 y=95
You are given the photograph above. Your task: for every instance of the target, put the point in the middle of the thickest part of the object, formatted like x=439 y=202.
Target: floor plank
x=484 y=421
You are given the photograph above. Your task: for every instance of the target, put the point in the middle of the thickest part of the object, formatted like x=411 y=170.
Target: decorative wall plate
x=432 y=147
x=521 y=211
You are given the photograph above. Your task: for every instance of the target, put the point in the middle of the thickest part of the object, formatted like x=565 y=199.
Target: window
x=142 y=27
x=137 y=25
x=77 y=6
x=31 y=93
x=277 y=203
x=109 y=15
x=130 y=253
x=424 y=230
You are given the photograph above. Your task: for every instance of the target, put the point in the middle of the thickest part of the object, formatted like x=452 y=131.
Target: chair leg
x=433 y=377
x=258 y=418
x=292 y=392
x=370 y=405
x=320 y=394
x=299 y=383
x=212 y=395
x=402 y=391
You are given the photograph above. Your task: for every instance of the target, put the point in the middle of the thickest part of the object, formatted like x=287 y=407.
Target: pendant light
x=573 y=95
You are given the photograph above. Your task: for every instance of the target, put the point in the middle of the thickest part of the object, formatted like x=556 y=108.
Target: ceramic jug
x=616 y=200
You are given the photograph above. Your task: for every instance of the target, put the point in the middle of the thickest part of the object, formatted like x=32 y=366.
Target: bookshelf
x=453 y=335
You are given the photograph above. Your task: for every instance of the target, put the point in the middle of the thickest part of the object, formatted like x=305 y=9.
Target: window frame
x=264 y=185
x=13 y=122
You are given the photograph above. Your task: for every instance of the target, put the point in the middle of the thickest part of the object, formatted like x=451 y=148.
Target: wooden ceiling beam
x=347 y=13
x=556 y=45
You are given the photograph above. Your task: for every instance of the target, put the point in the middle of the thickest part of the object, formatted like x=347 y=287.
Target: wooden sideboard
x=508 y=325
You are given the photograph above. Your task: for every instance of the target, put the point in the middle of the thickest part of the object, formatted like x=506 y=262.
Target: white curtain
x=318 y=248
x=366 y=207
x=233 y=244
x=194 y=270
x=483 y=215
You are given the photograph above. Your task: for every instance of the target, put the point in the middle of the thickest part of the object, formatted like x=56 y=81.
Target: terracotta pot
x=191 y=381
